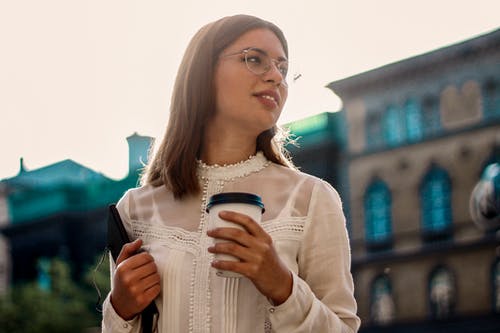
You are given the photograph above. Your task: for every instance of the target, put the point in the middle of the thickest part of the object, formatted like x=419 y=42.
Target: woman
x=229 y=93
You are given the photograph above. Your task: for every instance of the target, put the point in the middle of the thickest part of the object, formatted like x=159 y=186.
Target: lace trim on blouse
x=171 y=237
x=229 y=172
x=290 y=228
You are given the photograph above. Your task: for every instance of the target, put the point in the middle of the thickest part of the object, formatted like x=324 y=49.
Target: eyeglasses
x=259 y=62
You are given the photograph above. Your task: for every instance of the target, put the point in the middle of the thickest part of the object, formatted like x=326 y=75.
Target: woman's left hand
x=259 y=260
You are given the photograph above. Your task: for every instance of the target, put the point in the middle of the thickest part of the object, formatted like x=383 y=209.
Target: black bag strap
x=117 y=237
x=148 y=325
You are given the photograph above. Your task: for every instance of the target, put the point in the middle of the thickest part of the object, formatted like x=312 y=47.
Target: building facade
x=420 y=133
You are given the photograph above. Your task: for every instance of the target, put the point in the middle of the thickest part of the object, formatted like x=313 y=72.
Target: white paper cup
x=244 y=203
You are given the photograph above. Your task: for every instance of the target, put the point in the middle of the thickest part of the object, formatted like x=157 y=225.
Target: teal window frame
x=378 y=214
x=413 y=118
x=436 y=208
x=394 y=126
x=373 y=130
x=431 y=117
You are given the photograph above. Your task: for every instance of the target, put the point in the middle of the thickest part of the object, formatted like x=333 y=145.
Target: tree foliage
x=68 y=306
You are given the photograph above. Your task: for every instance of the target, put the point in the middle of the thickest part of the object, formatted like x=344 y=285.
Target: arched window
x=373 y=128
x=442 y=293
x=382 y=308
x=491 y=99
x=431 y=116
x=394 y=131
x=413 y=120
x=435 y=196
x=495 y=285
x=378 y=215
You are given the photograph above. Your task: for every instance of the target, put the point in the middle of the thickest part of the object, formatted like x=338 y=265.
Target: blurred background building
x=405 y=152
x=419 y=134
x=59 y=211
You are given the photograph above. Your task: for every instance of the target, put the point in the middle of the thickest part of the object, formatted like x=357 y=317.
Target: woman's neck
x=227 y=148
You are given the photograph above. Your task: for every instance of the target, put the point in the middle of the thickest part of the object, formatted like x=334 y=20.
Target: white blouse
x=304 y=217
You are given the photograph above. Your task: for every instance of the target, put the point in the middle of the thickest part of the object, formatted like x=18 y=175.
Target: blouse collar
x=253 y=164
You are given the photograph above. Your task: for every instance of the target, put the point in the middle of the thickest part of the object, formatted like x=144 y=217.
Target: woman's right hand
x=136 y=281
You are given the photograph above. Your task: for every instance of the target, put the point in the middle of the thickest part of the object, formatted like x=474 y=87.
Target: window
x=378 y=215
x=491 y=99
x=382 y=309
x=430 y=115
x=394 y=131
x=413 y=120
x=442 y=293
x=373 y=130
x=435 y=196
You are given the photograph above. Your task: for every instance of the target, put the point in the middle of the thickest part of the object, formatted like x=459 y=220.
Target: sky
x=79 y=76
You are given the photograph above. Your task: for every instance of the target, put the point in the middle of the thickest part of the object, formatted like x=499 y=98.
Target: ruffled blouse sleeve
x=322 y=298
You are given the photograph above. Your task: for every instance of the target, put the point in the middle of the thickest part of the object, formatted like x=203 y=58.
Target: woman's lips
x=268 y=98
x=269 y=102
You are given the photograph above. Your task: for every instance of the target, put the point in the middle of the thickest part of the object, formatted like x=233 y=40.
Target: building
x=420 y=133
x=59 y=210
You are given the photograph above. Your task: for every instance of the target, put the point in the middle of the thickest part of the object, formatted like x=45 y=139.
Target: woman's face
x=245 y=101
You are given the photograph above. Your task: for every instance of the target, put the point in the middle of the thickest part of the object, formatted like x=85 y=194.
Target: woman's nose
x=274 y=75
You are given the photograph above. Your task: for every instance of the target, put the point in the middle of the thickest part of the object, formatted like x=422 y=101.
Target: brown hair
x=193 y=103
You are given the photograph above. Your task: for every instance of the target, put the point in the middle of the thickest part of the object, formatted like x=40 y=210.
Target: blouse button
x=125 y=325
x=271 y=310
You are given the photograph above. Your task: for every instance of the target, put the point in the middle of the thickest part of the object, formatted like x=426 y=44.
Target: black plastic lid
x=235 y=197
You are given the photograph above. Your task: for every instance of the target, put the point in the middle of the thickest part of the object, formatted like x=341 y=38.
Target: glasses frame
x=267 y=67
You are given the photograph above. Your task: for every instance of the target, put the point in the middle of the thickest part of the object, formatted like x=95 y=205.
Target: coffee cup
x=244 y=203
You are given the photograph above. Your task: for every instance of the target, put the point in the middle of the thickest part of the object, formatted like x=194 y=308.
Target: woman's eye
x=283 y=70
x=254 y=59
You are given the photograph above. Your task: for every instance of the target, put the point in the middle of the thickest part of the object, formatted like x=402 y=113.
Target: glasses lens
x=257 y=62
x=260 y=63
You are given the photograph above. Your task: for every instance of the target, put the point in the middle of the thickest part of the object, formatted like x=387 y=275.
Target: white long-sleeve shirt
x=304 y=217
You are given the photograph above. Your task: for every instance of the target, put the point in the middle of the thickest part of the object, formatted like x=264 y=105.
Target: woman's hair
x=193 y=104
